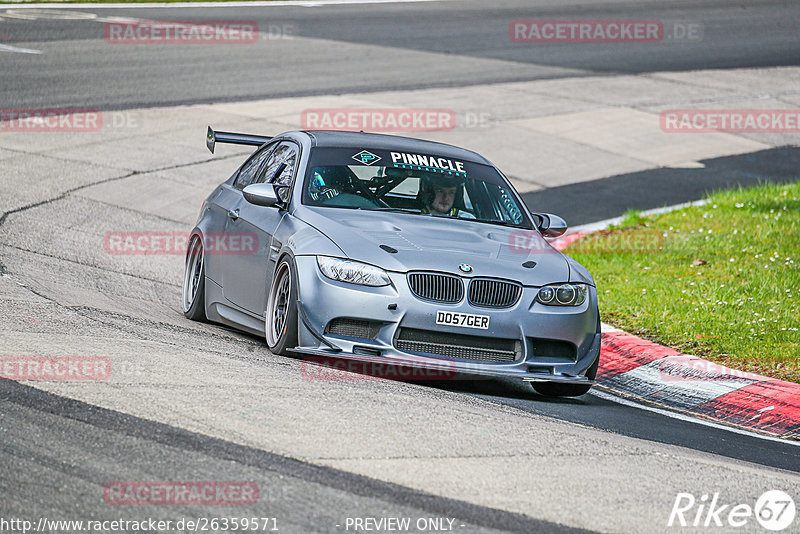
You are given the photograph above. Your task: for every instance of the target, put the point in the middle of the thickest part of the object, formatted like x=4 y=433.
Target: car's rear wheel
x=194 y=281
x=281 y=312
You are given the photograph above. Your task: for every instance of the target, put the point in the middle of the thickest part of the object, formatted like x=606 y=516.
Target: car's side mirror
x=261 y=194
x=551 y=225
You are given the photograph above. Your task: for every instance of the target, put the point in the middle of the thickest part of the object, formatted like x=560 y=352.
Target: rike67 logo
x=774 y=510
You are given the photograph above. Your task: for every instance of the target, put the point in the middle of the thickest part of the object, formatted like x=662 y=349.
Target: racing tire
x=280 y=317
x=194 y=281
x=554 y=389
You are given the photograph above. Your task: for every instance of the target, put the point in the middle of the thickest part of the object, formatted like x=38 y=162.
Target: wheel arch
x=292 y=315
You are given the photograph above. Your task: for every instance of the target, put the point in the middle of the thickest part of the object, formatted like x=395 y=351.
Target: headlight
x=352 y=272
x=562 y=295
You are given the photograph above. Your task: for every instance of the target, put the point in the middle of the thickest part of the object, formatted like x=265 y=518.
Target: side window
x=285 y=153
x=249 y=170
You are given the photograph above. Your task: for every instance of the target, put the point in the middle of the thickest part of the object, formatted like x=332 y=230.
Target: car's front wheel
x=281 y=312
x=194 y=281
x=554 y=389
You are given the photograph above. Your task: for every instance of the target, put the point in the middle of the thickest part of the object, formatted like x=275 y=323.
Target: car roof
x=362 y=140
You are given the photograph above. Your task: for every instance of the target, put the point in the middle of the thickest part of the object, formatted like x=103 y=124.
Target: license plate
x=468 y=320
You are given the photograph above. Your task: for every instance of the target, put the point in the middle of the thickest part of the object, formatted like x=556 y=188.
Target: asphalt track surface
x=417 y=45
x=655 y=188
x=49 y=442
x=302 y=497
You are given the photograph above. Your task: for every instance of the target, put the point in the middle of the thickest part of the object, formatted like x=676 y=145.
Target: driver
x=321 y=189
x=442 y=195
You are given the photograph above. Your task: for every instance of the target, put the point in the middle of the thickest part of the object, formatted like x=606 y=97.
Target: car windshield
x=420 y=184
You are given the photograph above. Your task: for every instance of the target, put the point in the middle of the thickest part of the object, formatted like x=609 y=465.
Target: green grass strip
x=720 y=281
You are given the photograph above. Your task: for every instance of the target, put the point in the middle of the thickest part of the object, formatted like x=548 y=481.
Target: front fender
x=301 y=239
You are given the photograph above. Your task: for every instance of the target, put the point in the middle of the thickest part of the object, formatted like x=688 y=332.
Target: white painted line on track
x=288 y=3
x=28 y=14
x=9 y=48
x=691 y=418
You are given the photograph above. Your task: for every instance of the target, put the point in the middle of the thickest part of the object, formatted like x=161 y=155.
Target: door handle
x=233 y=214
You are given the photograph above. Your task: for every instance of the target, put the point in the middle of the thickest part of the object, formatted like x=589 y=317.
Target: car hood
x=439 y=244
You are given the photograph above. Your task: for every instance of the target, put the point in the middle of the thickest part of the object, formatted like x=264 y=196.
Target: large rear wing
x=213 y=137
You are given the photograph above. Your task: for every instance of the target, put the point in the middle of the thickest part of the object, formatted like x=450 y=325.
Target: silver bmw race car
x=391 y=250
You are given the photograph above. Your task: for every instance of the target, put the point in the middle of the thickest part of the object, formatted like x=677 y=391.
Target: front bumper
x=391 y=308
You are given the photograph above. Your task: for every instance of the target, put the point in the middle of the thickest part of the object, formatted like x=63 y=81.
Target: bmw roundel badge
x=464 y=268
